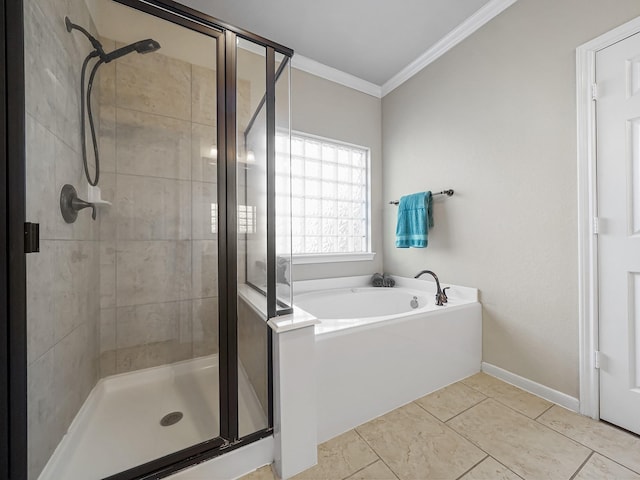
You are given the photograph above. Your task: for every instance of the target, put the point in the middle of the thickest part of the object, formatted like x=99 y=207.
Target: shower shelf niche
x=94 y=195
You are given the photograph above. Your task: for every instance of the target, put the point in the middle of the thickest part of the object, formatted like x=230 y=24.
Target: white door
x=618 y=173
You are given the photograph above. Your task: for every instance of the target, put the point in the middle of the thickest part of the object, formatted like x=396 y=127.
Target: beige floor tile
x=490 y=469
x=450 y=401
x=524 y=402
x=416 y=446
x=529 y=449
x=620 y=446
x=377 y=471
x=264 y=473
x=340 y=457
x=601 y=468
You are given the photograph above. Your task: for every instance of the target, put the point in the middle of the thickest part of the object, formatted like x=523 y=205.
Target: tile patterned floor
x=478 y=429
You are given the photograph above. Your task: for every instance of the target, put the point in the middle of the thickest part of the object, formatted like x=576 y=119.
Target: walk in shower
x=146 y=325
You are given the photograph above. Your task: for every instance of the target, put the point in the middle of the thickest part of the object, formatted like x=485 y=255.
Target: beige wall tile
x=524 y=402
x=75 y=371
x=154 y=83
x=340 y=457
x=153 y=272
x=204 y=160
x=490 y=469
x=107 y=217
x=450 y=401
x=150 y=355
x=152 y=145
x=616 y=444
x=107 y=139
x=107 y=330
x=152 y=208
x=44 y=427
x=375 y=471
x=40 y=301
x=601 y=468
x=108 y=364
x=154 y=323
x=410 y=442
x=203 y=96
x=205 y=326
x=41 y=199
x=526 y=447
x=204 y=226
x=75 y=288
x=205 y=268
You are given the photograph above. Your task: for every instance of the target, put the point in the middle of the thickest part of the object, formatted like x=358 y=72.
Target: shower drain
x=171 y=419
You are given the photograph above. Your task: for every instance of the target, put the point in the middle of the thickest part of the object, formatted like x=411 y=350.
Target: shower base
x=119 y=425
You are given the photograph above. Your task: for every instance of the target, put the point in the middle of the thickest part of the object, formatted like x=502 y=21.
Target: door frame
x=13 y=334
x=588 y=213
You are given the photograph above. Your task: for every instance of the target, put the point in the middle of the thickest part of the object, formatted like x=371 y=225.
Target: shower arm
x=96 y=44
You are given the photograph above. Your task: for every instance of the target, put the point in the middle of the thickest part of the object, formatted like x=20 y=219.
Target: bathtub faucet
x=441 y=297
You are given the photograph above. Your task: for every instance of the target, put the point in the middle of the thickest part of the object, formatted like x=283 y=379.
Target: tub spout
x=441 y=297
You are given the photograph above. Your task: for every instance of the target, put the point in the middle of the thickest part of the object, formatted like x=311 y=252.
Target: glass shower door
x=122 y=314
x=263 y=223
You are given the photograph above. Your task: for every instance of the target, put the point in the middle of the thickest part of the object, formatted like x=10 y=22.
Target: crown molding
x=334 y=75
x=485 y=14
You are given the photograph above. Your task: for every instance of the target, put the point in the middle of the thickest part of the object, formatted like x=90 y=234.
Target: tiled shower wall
x=158 y=244
x=158 y=251
x=63 y=278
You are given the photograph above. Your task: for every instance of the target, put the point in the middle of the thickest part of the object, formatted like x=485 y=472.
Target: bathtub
x=375 y=352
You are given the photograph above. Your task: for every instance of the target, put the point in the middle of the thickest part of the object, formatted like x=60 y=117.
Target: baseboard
x=530 y=386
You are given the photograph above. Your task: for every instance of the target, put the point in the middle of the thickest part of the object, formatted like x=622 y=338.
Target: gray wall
x=324 y=108
x=495 y=119
x=63 y=278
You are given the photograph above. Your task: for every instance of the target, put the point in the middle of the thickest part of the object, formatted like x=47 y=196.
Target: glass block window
x=246 y=218
x=329 y=196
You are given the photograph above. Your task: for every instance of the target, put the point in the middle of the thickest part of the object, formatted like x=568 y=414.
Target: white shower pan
x=119 y=425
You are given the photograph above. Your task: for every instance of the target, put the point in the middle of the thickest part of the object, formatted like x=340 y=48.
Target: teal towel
x=415 y=218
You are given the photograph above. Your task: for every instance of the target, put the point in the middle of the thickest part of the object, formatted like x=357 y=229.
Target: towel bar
x=448 y=193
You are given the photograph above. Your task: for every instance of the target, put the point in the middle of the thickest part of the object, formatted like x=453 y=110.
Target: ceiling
x=373 y=40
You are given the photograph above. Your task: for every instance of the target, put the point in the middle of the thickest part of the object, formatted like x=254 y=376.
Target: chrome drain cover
x=171 y=419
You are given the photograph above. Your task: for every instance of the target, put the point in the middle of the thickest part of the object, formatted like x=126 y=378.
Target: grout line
x=374 y=451
x=576 y=441
x=581 y=466
x=466 y=410
x=475 y=465
x=545 y=411
x=505 y=466
x=361 y=469
x=616 y=462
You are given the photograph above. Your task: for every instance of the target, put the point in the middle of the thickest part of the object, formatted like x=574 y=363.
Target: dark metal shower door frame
x=13 y=333
x=13 y=285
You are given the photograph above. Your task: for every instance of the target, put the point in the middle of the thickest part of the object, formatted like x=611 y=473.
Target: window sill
x=333 y=258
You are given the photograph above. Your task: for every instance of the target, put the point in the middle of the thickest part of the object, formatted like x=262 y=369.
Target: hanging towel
x=415 y=217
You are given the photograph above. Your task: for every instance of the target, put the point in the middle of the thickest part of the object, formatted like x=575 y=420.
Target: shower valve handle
x=70 y=204
x=78 y=205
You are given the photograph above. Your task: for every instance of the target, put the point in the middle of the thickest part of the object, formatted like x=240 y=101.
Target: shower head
x=143 y=46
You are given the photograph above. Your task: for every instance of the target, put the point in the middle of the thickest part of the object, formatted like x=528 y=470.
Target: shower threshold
x=121 y=426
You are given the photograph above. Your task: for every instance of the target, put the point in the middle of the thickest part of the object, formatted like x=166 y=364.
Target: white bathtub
x=374 y=352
